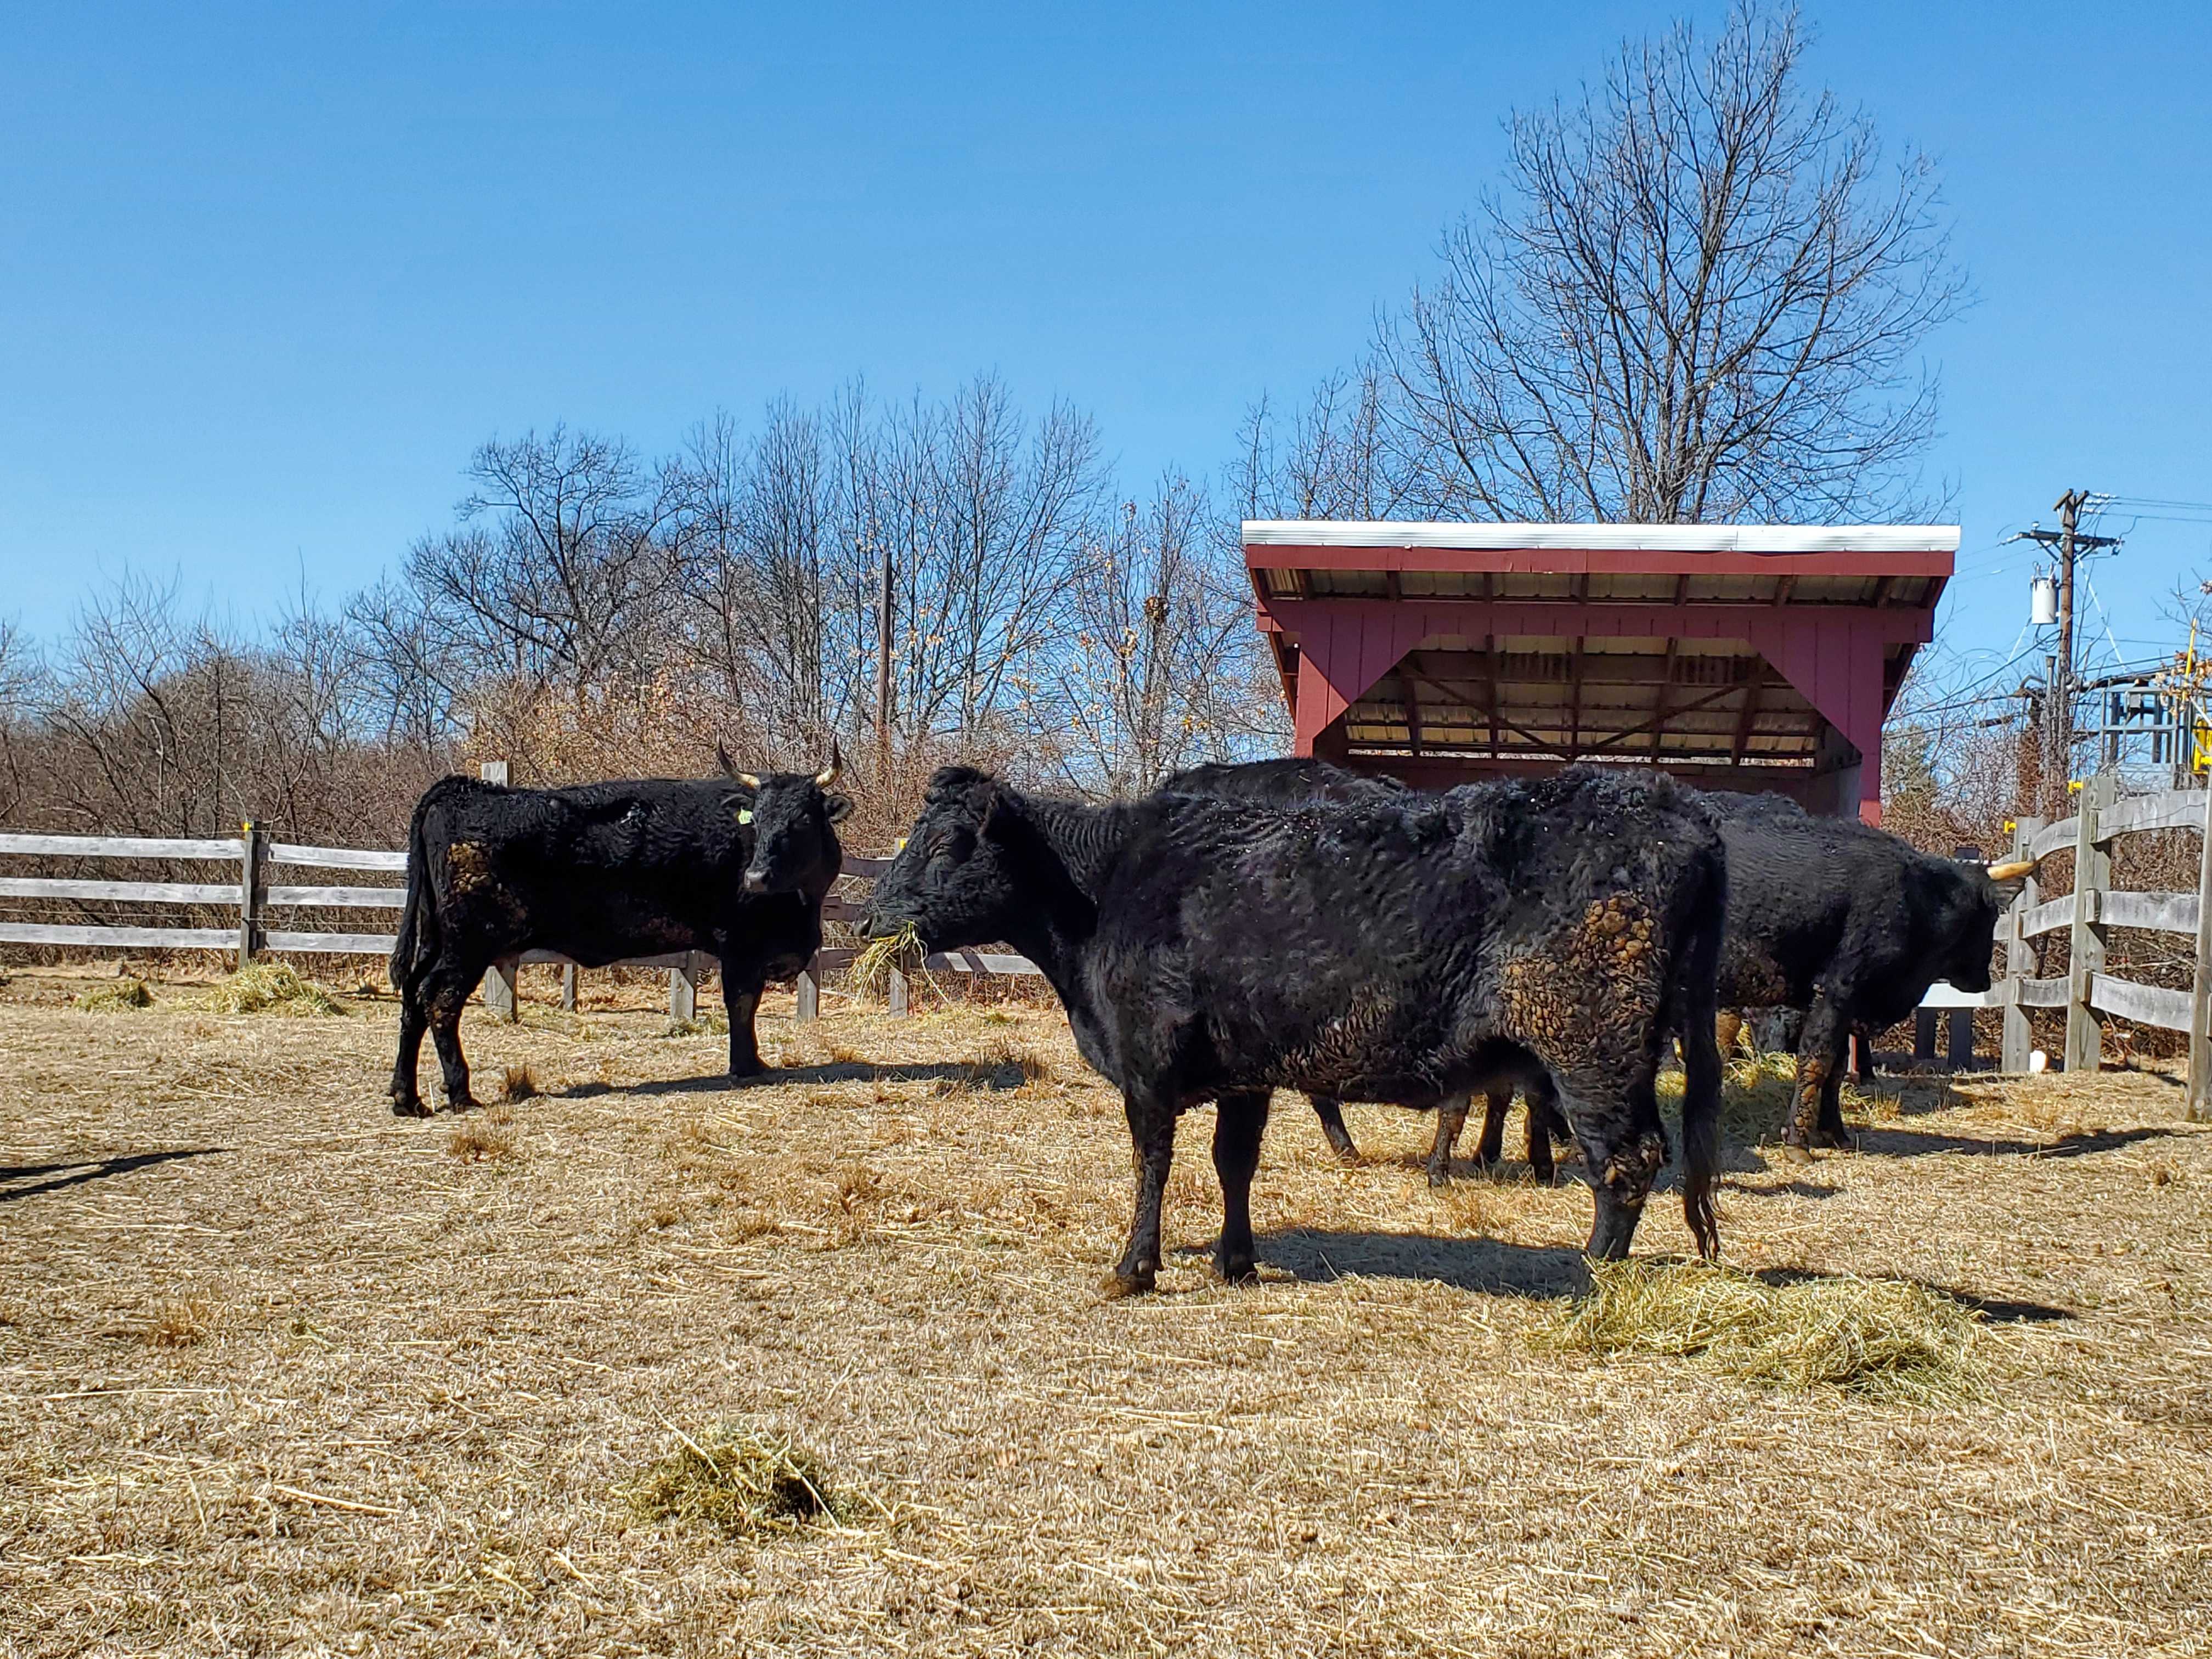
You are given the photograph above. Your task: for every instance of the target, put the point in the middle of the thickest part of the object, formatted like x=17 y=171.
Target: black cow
x=1839 y=920
x=1402 y=951
x=735 y=868
x=1286 y=782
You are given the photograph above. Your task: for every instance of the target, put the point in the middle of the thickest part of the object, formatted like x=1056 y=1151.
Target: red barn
x=1736 y=656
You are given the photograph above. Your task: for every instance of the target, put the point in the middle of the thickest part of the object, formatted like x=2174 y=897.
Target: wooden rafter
x=1666 y=688
x=1783 y=589
x=1654 y=726
x=1575 y=695
x=1750 y=714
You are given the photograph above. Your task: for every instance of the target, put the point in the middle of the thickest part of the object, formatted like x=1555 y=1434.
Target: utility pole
x=2069 y=543
x=884 y=671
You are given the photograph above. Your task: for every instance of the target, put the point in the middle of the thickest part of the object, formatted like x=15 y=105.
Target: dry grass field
x=279 y=1373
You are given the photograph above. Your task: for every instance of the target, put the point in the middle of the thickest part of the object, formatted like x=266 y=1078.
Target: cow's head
x=954 y=881
x=1956 y=907
x=792 y=816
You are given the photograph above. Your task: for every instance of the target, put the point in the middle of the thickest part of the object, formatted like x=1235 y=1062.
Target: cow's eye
x=745 y=815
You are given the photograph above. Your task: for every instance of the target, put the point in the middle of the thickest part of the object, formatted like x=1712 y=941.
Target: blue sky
x=267 y=275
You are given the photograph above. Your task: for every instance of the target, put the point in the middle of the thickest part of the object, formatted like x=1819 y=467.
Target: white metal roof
x=1610 y=537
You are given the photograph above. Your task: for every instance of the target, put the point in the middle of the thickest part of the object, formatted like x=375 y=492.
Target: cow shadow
x=76 y=1172
x=966 y=1076
x=1321 y=1256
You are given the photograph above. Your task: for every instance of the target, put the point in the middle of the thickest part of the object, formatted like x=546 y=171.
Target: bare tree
x=1699 y=296
x=1154 y=676
x=559 y=573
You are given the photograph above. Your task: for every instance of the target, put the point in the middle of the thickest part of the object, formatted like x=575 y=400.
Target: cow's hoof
x=1117 y=1285
x=743 y=1068
x=1835 y=1140
x=1347 y=1156
x=1439 y=1175
x=1244 y=1271
x=409 y=1108
x=461 y=1103
x=1795 y=1154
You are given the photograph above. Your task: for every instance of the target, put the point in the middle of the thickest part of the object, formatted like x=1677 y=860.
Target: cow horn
x=828 y=774
x=2012 y=870
x=722 y=753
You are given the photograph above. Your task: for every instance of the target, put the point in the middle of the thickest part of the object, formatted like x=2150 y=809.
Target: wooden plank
x=1941 y=996
x=856 y=864
x=2146 y=1005
x=2085 y=943
x=342 y=898
x=2047 y=917
x=2169 y=809
x=336 y=945
x=672 y=959
x=2157 y=913
x=2042 y=993
x=2019 y=1040
x=144 y=893
x=335 y=858
x=2053 y=836
x=112 y=938
x=119 y=847
x=978 y=961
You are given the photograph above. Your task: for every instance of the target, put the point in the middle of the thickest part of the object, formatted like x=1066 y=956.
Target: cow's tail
x=1696 y=1003
x=418 y=939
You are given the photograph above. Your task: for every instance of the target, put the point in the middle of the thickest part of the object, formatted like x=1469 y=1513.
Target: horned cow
x=736 y=867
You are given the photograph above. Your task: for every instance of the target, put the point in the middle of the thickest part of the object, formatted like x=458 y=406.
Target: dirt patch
x=409 y=1395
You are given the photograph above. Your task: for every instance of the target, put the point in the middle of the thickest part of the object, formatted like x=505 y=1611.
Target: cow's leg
x=1152 y=1136
x=1542 y=1105
x=1451 y=1118
x=1239 y=1121
x=1830 y=1130
x=742 y=1002
x=447 y=994
x=1330 y=1111
x=1820 y=1056
x=406 y=1102
x=1496 y=1106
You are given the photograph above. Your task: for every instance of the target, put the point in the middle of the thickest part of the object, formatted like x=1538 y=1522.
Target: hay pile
x=269 y=988
x=1884 y=1339
x=740 y=1479
x=120 y=996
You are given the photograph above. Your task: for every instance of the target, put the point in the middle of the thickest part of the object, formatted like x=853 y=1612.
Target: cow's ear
x=839 y=807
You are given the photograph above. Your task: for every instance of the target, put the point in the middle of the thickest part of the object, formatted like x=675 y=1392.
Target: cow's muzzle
x=754 y=882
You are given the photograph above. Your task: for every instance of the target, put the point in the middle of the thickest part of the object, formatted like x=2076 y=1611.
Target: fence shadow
x=1320 y=1256
x=860 y=1071
x=1997 y=1310
x=1916 y=1143
x=76 y=1172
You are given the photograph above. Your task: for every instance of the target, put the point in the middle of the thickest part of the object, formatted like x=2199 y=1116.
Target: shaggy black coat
x=1286 y=782
x=1402 y=950
x=600 y=871
x=1848 y=923
x=1840 y=921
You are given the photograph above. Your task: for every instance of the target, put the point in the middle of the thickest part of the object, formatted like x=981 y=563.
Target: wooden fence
x=2088 y=914
x=259 y=904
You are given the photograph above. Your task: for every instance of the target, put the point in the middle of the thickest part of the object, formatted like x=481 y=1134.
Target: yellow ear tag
x=745 y=815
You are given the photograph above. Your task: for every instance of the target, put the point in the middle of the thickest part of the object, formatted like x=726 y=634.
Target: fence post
x=250 y=886
x=569 y=987
x=2085 y=943
x=1961 y=1057
x=2020 y=960
x=806 y=991
x=683 y=989
x=2200 y=987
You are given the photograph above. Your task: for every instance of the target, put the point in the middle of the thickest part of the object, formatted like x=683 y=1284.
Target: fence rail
x=252 y=898
x=2088 y=914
